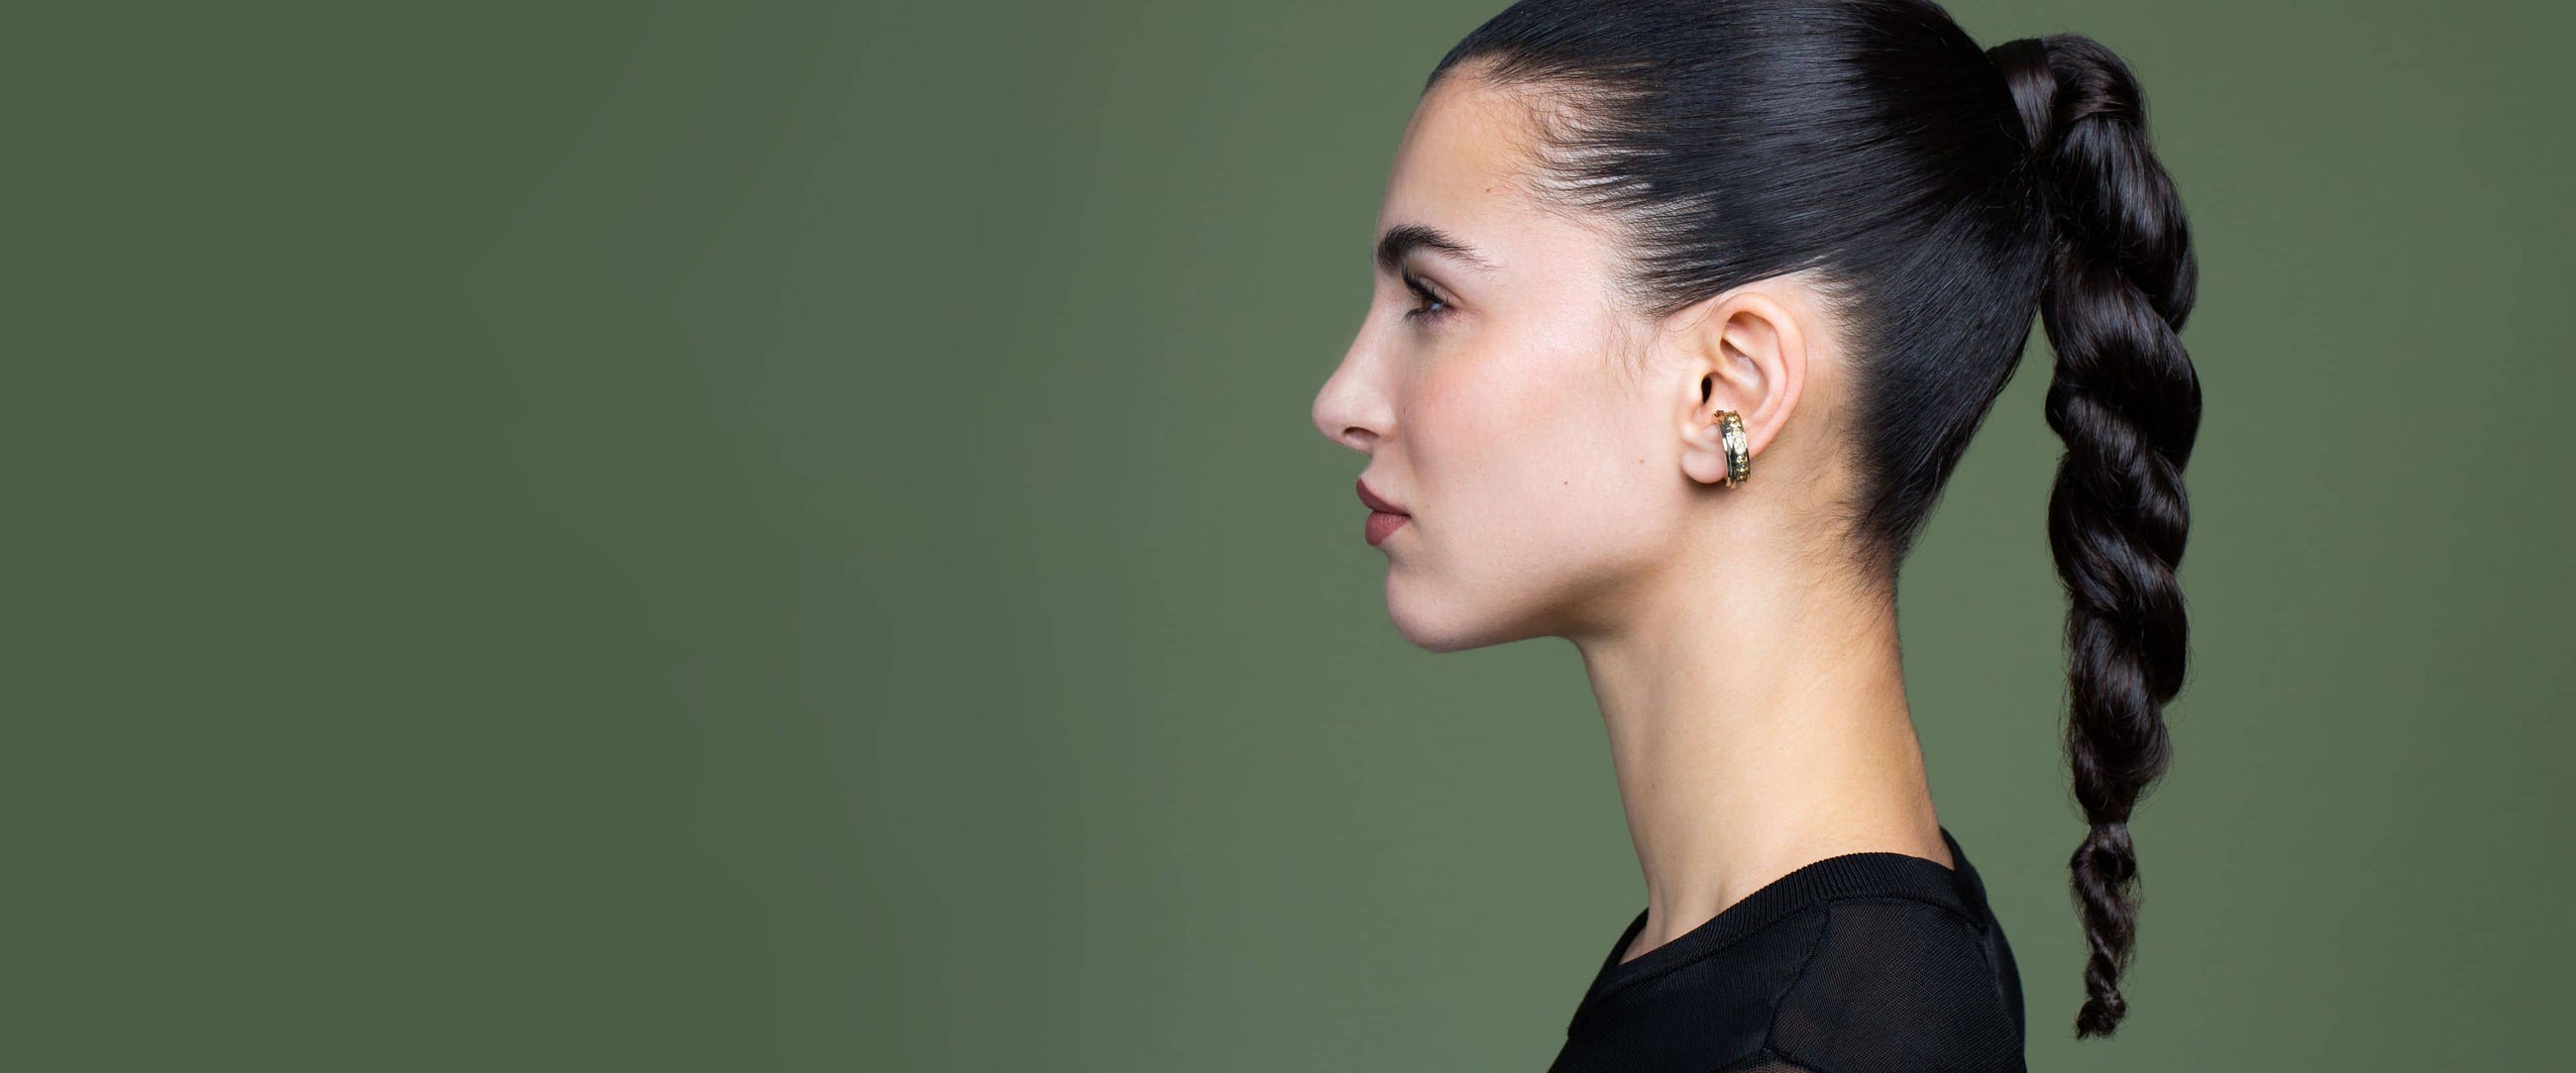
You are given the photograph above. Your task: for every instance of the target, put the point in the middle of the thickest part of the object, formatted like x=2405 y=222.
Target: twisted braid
x=2126 y=401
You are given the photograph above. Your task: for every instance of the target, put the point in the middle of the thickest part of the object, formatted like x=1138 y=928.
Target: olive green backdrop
x=787 y=536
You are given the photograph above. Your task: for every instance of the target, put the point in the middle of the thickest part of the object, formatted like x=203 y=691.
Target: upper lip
x=1375 y=502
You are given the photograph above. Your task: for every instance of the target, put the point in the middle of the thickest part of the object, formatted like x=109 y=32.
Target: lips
x=1384 y=517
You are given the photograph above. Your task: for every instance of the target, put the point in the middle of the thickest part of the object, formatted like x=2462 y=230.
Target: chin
x=1434 y=624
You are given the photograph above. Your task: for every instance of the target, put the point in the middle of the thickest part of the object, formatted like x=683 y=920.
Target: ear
x=1746 y=351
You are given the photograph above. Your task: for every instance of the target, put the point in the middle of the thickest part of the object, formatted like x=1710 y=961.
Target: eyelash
x=1425 y=294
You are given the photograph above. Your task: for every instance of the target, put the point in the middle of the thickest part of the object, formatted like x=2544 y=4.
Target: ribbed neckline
x=1874 y=874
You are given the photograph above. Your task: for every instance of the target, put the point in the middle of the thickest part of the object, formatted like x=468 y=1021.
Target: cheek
x=1484 y=424
x=1527 y=464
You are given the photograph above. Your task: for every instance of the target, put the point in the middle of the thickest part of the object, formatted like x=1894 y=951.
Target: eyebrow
x=1403 y=239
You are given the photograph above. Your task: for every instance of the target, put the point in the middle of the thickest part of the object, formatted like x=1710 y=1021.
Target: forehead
x=1465 y=163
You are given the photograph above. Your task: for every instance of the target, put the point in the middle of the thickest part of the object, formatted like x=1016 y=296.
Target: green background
x=788 y=536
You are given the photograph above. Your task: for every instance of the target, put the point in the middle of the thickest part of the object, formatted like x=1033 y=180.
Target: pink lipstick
x=1384 y=517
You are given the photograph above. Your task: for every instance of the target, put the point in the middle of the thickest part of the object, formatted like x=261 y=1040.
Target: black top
x=1853 y=964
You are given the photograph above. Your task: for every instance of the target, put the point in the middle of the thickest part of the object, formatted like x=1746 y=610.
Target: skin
x=1559 y=456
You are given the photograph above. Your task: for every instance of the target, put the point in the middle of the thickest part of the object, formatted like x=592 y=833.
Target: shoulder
x=1899 y=985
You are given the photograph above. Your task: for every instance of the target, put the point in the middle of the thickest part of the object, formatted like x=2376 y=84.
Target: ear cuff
x=1739 y=450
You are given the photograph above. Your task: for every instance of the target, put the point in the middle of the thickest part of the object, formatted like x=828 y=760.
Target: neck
x=1755 y=732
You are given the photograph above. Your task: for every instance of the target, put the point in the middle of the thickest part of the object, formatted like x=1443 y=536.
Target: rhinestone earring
x=1739 y=450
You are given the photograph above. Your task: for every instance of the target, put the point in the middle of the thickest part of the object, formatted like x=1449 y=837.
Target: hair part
x=1943 y=194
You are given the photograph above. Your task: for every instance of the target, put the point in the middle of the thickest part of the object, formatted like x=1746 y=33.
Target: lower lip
x=1382 y=525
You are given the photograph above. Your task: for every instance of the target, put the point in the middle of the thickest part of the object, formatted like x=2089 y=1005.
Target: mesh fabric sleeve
x=1895 y=986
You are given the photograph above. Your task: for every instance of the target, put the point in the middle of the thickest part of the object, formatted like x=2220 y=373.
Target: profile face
x=1495 y=393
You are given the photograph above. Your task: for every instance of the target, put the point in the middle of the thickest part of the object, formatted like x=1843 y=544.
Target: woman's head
x=1553 y=444
x=1837 y=218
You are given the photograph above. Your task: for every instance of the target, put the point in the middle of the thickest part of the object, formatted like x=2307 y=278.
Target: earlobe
x=1720 y=451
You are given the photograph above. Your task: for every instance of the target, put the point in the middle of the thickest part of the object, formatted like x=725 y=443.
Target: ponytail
x=2125 y=400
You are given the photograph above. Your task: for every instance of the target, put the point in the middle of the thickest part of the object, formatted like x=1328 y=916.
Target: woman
x=1631 y=253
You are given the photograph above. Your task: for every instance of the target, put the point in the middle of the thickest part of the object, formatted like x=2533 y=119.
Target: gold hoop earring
x=1739 y=450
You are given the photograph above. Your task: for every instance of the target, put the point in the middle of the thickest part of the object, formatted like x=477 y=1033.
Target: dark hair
x=1944 y=192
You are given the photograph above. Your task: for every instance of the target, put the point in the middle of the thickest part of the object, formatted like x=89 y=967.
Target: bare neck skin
x=1757 y=723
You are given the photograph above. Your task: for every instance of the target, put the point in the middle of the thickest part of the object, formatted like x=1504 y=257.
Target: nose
x=1349 y=409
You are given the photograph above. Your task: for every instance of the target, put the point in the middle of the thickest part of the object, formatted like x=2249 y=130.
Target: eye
x=1424 y=293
